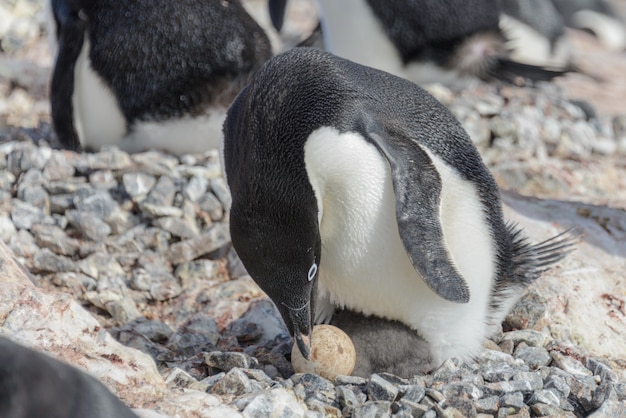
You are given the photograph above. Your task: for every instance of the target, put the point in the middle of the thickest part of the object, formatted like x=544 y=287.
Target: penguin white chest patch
x=364 y=265
x=97 y=116
x=361 y=37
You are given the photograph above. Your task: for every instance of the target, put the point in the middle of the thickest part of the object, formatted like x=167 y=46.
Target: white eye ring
x=312 y=272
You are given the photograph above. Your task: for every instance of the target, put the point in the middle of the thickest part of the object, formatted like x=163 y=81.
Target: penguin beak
x=304 y=344
x=300 y=324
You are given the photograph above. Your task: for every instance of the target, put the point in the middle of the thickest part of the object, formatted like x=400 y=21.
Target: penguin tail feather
x=529 y=261
x=518 y=73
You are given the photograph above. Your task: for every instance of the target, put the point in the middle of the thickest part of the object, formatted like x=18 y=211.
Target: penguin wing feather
x=417 y=188
x=70 y=33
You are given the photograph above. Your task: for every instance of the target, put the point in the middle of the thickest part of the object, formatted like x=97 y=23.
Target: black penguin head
x=280 y=247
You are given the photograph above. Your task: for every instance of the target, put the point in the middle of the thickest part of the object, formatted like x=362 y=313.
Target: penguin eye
x=312 y=272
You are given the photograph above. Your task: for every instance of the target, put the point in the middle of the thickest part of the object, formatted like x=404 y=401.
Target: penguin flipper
x=71 y=34
x=417 y=188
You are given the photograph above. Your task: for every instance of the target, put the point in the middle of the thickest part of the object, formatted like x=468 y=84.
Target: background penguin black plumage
x=424 y=41
x=535 y=33
x=352 y=188
x=34 y=385
x=597 y=17
x=150 y=73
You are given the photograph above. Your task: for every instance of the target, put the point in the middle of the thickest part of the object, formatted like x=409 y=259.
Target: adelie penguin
x=143 y=74
x=355 y=189
x=425 y=41
x=35 y=385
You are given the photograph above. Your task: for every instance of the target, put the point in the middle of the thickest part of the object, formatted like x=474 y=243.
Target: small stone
x=111 y=158
x=534 y=378
x=515 y=400
x=600 y=369
x=379 y=389
x=57 y=167
x=347 y=396
x=199 y=333
x=543 y=410
x=350 y=380
x=435 y=395
x=55 y=239
x=89 y=225
x=45 y=261
x=25 y=215
x=138 y=185
x=417 y=410
x=7 y=229
x=220 y=189
x=229 y=360
x=179 y=378
x=413 y=393
x=492 y=356
x=211 y=205
x=177 y=226
x=100 y=203
x=275 y=403
x=103 y=180
x=611 y=407
x=162 y=194
x=195 y=188
x=569 y=364
x=489 y=405
x=61 y=202
x=207 y=242
x=373 y=409
x=545 y=396
x=34 y=195
x=235 y=382
x=196 y=270
x=463 y=390
x=535 y=357
x=531 y=337
x=501 y=388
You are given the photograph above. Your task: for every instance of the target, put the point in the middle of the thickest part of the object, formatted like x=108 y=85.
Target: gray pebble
x=88 y=224
x=220 y=189
x=229 y=360
x=373 y=409
x=211 y=205
x=569 y=364
x=54 y=238
x=379 y=389
x=207 y=242
x=535 y=357
x=24 y=215
x=138 y=185
x=177 y=226
x=488 y=405
x=195 y=188
x=235 y=382
x=58 y=168
x=45 y=261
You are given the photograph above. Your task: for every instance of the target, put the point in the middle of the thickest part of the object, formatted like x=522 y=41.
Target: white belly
x=99 y=121
x=364 y=265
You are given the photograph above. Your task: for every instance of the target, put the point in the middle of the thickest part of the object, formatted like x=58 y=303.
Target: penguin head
x=280 y=247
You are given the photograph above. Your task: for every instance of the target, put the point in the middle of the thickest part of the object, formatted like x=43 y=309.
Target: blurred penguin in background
x=535 y=33
x=142 y=74
x=34 y=385
x=597 y=17
x=425 y=41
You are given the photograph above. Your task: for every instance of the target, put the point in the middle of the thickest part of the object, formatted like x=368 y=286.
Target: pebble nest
x=142 y=242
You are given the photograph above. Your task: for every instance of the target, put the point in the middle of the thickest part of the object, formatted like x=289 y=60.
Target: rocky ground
x=141 y=243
